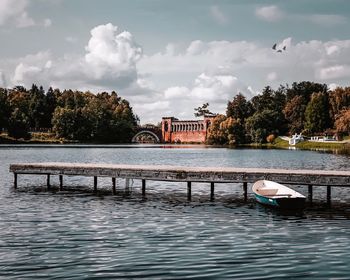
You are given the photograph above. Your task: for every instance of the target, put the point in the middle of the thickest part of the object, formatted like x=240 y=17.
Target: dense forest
x=305 y=107
x=72 y=115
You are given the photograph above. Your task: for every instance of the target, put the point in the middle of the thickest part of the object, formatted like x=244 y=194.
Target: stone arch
x=156 y=138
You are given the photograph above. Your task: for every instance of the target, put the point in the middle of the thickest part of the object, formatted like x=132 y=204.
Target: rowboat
x=277 y=195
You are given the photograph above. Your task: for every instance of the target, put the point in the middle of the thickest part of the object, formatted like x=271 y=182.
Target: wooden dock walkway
x=210 y=175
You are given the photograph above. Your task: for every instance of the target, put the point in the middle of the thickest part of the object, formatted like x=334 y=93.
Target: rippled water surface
x=75 y=234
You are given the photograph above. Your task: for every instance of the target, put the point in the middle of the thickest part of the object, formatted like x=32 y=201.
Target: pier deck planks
x=187 y=174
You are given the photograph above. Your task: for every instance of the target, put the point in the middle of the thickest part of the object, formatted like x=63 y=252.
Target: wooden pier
x=212 y=175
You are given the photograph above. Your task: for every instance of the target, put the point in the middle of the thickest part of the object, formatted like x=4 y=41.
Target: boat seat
x=267 y=191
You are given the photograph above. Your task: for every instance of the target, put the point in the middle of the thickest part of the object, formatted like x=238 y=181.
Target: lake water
x=78 y=235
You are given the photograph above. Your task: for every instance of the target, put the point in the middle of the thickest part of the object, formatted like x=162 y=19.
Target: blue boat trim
x=266 y=200
x=286 y=203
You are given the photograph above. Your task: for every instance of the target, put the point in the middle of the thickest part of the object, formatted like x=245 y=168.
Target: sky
x=168 y=57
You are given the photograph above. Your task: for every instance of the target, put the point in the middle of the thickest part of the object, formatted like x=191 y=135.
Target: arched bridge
x=147 y=134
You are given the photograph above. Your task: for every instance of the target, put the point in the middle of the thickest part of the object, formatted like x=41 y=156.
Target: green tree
x=239 y=108
x=264 y=101
x=103 y=118
x=4 y=109
x=18 y=125
x=317 y=113
x=262 y=124
x=37 y=107
x=202 y=110
x=304 y=89
x=50 y=106
x=72 y=124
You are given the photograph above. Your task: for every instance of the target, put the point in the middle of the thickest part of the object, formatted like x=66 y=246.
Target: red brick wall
x=166 y=127
x=188 y=136
x=192 y=133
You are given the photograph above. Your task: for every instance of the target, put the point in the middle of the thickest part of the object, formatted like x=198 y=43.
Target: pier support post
x=245 y=191
x=48 y=181
x=95 y=184
x=329 y=195
x=310 y=193
x=61 y=182
x=143 y=188
x=212 y=191
x=15 y=180
x=114 y=191
x=189 y=191
x=127 y=186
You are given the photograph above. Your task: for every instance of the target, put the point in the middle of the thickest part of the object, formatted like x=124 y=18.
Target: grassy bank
x=36 y=138
x=307 y=145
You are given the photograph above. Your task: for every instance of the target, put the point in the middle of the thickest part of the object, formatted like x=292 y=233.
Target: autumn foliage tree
x=226 y=130
x=342 y=123
x=339 y=100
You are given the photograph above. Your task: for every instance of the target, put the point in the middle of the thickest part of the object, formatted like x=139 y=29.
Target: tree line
x=72 y=115
x=305 y=107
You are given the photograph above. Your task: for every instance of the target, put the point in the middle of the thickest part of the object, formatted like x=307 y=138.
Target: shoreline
x=279 y=143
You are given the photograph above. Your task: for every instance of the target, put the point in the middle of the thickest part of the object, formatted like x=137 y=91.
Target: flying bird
x=274 y=47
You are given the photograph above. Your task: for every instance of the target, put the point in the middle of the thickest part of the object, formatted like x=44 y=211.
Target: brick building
x=191 y=131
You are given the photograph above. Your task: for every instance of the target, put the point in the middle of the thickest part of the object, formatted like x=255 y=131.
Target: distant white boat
x=277 y=195
x=296 y=138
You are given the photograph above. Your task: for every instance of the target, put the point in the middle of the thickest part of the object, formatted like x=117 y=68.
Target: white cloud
x=333 y=86
x=218 y=15
x=272 y=76
x=47 y=22
x=334 y=72
x=14 y=12
x=109 y=62
x=24 y=20
x=195 y=47
x=269 y=13
x=111 y=54
x=215 y=71
x=217 y=89
x=71 y=39
x=332 y=50
x=25 y=72
x=180 y=78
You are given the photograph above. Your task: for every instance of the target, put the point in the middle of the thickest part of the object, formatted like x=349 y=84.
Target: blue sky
x=168 y=57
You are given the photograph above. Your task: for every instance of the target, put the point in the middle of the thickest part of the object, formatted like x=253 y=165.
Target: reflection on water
x=78 y=235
